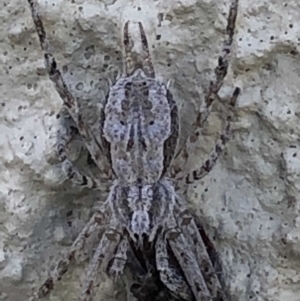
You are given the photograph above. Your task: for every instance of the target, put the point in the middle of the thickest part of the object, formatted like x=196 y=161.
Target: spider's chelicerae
x=139 y=127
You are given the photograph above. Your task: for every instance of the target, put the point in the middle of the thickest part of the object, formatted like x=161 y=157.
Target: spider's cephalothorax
x=139 y=132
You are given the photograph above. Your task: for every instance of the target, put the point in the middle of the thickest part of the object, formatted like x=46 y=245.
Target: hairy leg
x=189 y=265
x=221 y=69
x=185 y=256
x=70 y=102
x=215 y=85
x=207 y=166
x=120 y=259
x=107 y=245
x=168 y=275
x=195 y=241
x=99 y=218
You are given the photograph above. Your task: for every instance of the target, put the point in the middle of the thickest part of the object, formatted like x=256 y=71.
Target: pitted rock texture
x=249 y=204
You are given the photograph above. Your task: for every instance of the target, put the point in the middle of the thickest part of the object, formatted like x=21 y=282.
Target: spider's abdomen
x=139 y=200
x=139 y=123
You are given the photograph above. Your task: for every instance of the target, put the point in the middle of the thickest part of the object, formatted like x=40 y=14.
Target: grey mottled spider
x=139 y=132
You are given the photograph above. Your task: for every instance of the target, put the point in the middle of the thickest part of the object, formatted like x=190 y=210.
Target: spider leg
x=99 y=218
x=107 y=245
x=215 y=85
x=208 y=164
x=109 y=242
x=194 y=239
x=120 y=258
x=61 y=87
x=189 y=265
x=185 y=256
x=69 y=169
x=132 y=63
x=221 y=69
x=168 y=275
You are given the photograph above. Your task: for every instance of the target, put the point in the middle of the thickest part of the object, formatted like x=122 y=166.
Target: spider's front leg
x=220 y=73
x=94 y=146
x=220 y=145
x=222 y=67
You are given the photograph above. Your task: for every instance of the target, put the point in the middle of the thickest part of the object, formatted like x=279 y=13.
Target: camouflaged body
x=141 y=126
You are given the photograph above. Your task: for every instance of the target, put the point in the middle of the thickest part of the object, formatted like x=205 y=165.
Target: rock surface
x=249 y=204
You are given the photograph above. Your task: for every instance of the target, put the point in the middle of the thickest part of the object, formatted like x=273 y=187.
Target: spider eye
x=151 y=122
x=122 y=122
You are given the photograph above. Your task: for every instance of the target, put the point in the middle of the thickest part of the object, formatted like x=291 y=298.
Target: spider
x=139 y=131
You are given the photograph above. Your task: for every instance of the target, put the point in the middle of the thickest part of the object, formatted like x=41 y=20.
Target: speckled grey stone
x=249 y=204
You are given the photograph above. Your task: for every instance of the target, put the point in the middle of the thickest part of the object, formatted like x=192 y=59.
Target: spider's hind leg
x=168 y=274
x=99 y=219
x=205 y=256
x=109 y=242
x=120 y=259
x=188 y=264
